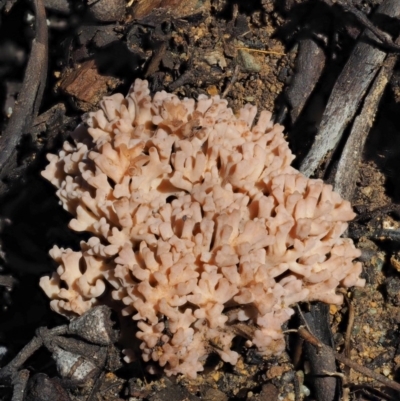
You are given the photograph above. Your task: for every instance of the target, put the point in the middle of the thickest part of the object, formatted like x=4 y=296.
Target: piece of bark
x=345 y=183
x=87 y=85
x=351 y=86
x=178 y=8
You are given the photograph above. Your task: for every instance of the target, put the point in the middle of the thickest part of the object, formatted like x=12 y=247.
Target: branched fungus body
x=194 y=211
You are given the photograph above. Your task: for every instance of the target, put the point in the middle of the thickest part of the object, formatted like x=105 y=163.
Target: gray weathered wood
x=349 y=90
x=347 y=170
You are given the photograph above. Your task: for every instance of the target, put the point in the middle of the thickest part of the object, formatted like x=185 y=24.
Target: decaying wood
x=87 y=85
x=20 y=381
x=383 y=37
x=319 y=353
x=9 y=370
x=345 y=183
x=309 y=65
x=350 y=88
x=29 y=98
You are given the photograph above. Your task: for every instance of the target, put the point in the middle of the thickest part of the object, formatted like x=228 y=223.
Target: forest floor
x=248 y=52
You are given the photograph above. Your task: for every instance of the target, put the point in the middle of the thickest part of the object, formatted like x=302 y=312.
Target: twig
x=97 y=384
x=367 y=372
x=296 y=385
x=350 y=324
x=260 y=51
x=306 y=335
x=356 y=77
x=372 y=392
x=20 y=381
x=156 y=59
x=303 y=318
x=30 y=96
x=298 y=352
x=363 y=19
x=232 y=81
x=9 y=370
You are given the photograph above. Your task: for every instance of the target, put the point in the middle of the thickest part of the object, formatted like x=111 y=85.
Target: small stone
x=333 y=309
x=247 y=62
x=269 y=393
x=212 y=90
x=213 y=394
x=367 y=191
x=215 y=58
x=305 y=390
x=107 y=10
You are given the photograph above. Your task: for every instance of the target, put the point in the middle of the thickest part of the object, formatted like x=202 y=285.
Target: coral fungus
x=194 y=212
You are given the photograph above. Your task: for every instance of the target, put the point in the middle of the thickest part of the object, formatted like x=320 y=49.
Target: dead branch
x=350 y=88
x=345 y=183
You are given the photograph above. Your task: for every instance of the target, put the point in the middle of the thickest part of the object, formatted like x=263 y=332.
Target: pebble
x=247 y=62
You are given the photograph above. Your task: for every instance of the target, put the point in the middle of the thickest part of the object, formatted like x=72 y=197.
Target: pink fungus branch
x=193 y=210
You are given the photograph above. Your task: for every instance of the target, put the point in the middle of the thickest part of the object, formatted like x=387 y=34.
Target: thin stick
x=29 y=349
x=261 y=51
x=367 y=372
x=20 y=381
x=363 y=19
x=341 y=358
x=232 y=81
